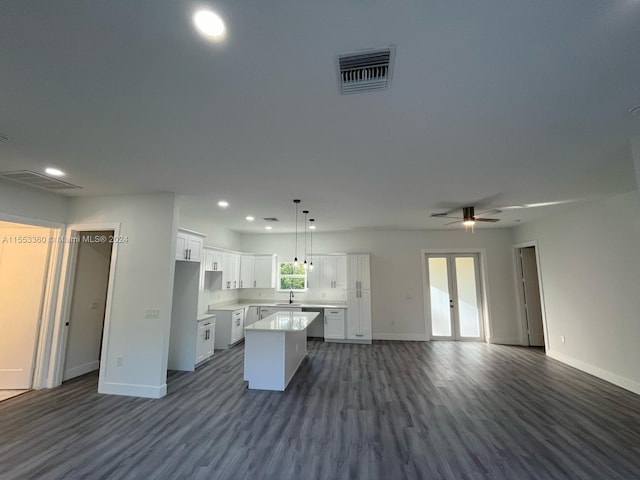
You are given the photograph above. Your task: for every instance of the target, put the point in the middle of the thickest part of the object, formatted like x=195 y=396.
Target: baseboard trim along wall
x=505 y=341
x=407 y=337
x=606 y=375
x=132 y=390
x=80 y=370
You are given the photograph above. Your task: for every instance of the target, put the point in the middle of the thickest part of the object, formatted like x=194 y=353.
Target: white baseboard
x=407 y=337
x=80 y=370
x=505 y=341
x=132 y=390
x=610 y=377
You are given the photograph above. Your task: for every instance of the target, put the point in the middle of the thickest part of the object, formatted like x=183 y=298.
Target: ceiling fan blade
x=487 y=219
x=444 y=215
x=451 y=223
x=494 y=211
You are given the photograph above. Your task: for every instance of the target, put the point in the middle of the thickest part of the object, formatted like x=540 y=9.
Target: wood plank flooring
x=388 y=411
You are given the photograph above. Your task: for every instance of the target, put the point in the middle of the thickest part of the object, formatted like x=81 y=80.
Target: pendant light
x=306 y=212
x=295 y=259
x=311 y=228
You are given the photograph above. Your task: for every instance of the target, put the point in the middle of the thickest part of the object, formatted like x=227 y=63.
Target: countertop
x=205 y=316
x=284 y=322
x=236 y=306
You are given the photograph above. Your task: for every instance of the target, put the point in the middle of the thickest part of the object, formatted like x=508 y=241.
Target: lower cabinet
x=205 y=339
x=251 y=315
x=266 y=311
x=334 y=324
x=359 y=315
x=229 y=327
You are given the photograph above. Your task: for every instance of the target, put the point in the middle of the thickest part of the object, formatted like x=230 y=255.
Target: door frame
x=67 y=278
x=46 y=322
x=519 y=292
x=482 y=276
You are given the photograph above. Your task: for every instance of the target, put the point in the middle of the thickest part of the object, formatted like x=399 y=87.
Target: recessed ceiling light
x=54 y=171
x=223 y=204
x=250 y=218
x=209 y=24
x=268 y=227
x=312 y=227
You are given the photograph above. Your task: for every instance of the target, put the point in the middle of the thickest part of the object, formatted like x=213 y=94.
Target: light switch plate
x=152 y=314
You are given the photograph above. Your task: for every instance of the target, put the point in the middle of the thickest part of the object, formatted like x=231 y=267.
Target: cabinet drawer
x=336 y=313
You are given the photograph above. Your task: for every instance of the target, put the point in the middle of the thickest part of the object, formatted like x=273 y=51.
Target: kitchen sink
x=288 y=304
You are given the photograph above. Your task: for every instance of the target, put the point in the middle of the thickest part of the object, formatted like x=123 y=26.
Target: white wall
x=194 y=217
x=590 y=270
x=396 y=273
x=33 y=203
x=135 y=361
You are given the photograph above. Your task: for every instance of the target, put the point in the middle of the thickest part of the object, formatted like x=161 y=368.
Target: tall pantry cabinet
x=359 y=298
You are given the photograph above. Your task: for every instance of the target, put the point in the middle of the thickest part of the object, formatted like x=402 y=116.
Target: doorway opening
x=88 y=302
x=530 y=295
x=25 y=263
x=454 y=296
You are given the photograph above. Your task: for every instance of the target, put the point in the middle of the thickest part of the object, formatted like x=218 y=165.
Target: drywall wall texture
x=135 y=361
x=590 y=271
x=32 y=203
x=396 y=273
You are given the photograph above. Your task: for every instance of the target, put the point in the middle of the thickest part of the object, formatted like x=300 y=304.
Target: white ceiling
x=513 y=101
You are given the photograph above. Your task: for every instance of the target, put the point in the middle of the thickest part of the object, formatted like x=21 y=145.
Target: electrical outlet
x=152 y=314
x=562 y=339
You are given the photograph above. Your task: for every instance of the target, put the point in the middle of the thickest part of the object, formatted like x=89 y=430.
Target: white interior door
x=23 y=273
x=454 y=297
x=531 y=296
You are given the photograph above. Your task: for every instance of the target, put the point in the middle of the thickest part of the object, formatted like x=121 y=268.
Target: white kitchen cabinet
x=251 y=315
x=359 y=272
x=265 y=271
x=205 y=339
x=189 y=245
x=212 y=260
x=359 y=315
x=229 y=327
x=334 y=324
x=266 y=311
x=247 y=271
x=330 y=271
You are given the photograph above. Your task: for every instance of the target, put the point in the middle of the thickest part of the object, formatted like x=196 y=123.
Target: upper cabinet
x=359 y=272
x=264 y=271
x=189 y=245
x=240 y=270
x=330 y=271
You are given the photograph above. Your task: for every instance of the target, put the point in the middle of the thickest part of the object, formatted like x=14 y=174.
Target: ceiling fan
x=468 y=216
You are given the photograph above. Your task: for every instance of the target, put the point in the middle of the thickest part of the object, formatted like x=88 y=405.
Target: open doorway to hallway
x=25 y=252
x=88 y=302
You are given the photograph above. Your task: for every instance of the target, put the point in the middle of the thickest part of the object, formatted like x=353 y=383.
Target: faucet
x=291 y=297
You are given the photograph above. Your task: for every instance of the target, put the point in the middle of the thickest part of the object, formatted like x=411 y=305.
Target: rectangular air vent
x=270 y=219
x=37 y=180
x=366 y=70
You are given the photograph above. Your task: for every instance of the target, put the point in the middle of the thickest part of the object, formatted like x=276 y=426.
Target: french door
x=454 y=297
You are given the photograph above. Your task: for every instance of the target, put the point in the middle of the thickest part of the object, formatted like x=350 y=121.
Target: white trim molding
x=606 y=375
x=406 y=337
x=133 y=390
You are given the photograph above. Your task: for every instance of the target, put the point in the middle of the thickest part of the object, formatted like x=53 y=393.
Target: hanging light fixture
x=306 y=212
x=311 y=228
x=295 y=259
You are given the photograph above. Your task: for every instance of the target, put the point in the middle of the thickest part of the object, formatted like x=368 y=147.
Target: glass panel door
x=439 y=296
x=454 y=297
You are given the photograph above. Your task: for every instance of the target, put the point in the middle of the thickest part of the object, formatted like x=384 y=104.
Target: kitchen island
x=274 y=348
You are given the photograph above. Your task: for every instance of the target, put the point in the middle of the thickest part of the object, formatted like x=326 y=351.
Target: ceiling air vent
x=270 y=219
x=37 y=180
x=366 y=70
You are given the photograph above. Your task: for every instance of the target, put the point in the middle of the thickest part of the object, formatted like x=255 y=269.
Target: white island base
x=274 y=348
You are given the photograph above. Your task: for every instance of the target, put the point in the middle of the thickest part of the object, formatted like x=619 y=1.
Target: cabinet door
x=194 y=246
x=365 y=314
x=327 y=271
x=264 y=268
x=181 y=246
x=353 y=315
x=235 y=270
x=204 y=341
x=365 y=272
x=334 y=324
x=340 y=277
x=353 y=271
x=224 y=267
x=251 y=316
x=314 y=276
x=237 y=325
x=208 y=257
x=247 y=271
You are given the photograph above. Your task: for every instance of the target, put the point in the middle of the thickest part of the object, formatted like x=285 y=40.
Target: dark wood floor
x=387 y=411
